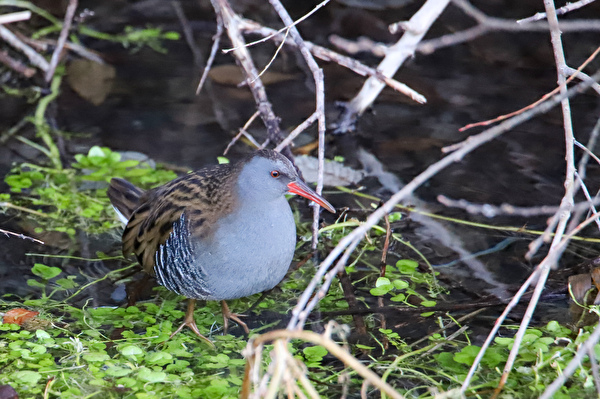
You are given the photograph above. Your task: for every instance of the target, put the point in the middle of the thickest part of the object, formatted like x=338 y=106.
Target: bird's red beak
x=300 y=188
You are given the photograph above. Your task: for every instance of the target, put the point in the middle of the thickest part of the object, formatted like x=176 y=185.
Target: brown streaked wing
x=124 y=196
x=204 y=196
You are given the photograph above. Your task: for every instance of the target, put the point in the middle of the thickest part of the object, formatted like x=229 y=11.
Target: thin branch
x=542 y=99
x=560 y=11
x=15 y=17
x=231 y=22
x=62 y=38
x=497 y=324
x=283 y=30
x=344 y=61
x=486 y=24
x=417 y=27
x=16 y=65
x=490 y=211
x=187 y=32
x=244 y=131
x=299 y=129
x=19 y=235
x=331 y=346
x=319 y=106
x=582 y=167
x=582 y=76
x=595 y=371
x=37 y=60
x=349 y=242
x=586 y=193
x=567 y=201
x=213 y=53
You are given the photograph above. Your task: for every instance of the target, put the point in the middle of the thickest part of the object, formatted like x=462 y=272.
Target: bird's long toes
x=236 y=317
x=192 y=326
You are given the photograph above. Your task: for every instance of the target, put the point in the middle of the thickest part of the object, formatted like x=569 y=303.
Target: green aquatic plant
x=66 y=199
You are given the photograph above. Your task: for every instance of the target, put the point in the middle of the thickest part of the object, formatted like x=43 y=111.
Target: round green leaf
x=400 y=284
x=379 y=291
x=407 y=266
x=27 y=376
x=118 y=371
x=95 y=356
x=382 y=281
x=131 y=350
x=159 y=358
x=45 y=272
x=151 y=376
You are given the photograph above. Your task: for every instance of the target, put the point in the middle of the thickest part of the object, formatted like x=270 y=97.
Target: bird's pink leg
x=191 y=323
x=233 y=316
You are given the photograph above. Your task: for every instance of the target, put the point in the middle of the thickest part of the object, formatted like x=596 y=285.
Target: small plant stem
x=23 y=209
x=42 y=127
x=35 y=145
x=333 y=348
x=447 y=219
x=109 y=274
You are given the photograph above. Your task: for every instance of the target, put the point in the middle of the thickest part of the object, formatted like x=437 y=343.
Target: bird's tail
x=124 y=197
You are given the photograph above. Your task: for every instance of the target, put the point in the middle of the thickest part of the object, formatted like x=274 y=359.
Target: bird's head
x=268 y=175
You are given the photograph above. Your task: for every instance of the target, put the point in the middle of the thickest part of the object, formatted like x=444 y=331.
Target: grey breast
x=250 y=251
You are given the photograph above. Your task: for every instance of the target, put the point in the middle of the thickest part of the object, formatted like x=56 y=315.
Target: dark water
x=152 y=108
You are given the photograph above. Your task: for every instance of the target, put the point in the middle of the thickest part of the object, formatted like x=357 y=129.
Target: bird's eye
x=275 y=173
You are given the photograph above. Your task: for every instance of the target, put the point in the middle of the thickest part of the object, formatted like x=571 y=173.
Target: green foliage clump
x=114 y=351
x=544 y=353
x=67 y=199
x=402 y=282
x=79 y=362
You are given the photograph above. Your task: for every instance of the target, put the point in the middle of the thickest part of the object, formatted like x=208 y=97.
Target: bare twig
x=486 y=24
x=244 y=131
x=331 y=346
x=582 y=167
x=36 y=59
x=45 y=45
x=213 y=53
x=319 y=100
x=308 y=299
x=382 y=270
x=550 y=261
x=286 y=28
x=542 y=99
x=417 y=27
x=21 y=236
x=590 y=201
x=595 y=371
x=14 y=17
x=350 y=297
x=16 y=65
x=187 y=32
x=299 y=129
x=560 y=11
x=344 y=61
x=490 y=211
x=231 y=22
x=62 y=38
x=497 y=324
x=360 y=45
x=580 y=75
x=540 y=268
x=512 y=25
